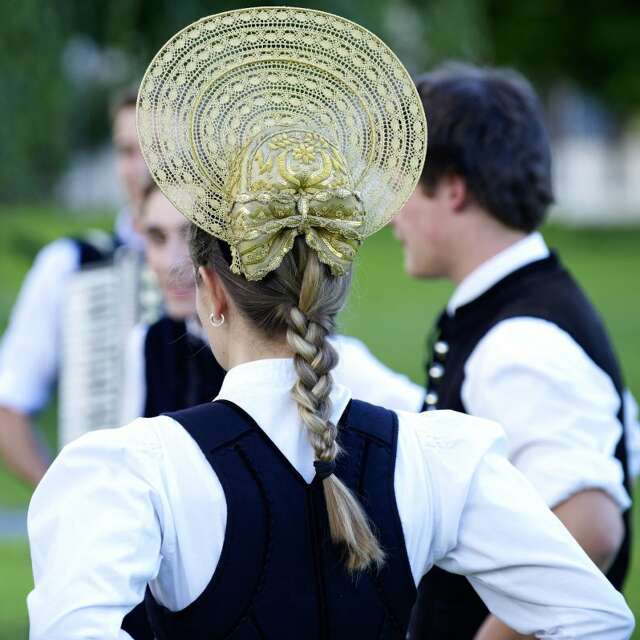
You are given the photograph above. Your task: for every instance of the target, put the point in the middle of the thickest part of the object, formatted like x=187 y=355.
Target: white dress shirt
x=358 y=369
x=30 y=347
x=557 y=407
x=124 y=507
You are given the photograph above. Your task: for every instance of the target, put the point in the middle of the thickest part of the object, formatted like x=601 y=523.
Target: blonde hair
x=300 y=300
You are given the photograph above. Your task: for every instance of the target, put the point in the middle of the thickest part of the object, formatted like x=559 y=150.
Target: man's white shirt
x=30 y=347
x=558 y=408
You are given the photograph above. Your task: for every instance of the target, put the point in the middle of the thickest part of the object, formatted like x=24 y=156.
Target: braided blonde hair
x=300 y=301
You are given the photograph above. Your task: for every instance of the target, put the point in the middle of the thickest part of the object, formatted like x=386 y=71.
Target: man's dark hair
x=126 y=98
x=485 y=125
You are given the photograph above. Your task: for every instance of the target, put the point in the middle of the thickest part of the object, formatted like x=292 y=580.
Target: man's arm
x=559 y=411
x=594 y=520
x=371 y=380
x=29 y=355
x=18 y=447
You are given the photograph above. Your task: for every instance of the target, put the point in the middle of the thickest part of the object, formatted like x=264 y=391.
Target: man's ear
x=214 y=290
x=456 y=192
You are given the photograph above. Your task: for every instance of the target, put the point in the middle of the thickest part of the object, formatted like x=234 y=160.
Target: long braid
x=315 y=357
x=301 y=299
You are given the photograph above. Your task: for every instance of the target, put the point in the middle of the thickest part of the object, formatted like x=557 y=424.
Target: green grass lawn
x=387 y=310
x=15 y=569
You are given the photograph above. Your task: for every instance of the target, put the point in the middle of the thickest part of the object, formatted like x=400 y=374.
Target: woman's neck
x=236 y=343
x=256 y=348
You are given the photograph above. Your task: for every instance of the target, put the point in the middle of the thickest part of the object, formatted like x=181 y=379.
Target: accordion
x=104 y=301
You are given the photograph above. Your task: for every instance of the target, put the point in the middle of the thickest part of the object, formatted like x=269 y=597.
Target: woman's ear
x=214 y=291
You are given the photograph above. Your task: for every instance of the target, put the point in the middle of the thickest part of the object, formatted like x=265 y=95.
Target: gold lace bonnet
x=265 y=123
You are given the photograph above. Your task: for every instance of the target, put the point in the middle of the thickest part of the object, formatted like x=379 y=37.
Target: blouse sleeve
x=492 y=527
x=95 y=528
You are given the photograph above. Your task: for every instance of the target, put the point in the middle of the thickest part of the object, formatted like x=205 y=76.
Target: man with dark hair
x=30 y=348
x=518 y=342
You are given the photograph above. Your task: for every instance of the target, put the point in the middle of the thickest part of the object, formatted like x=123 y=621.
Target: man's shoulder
x=95 y=246
x=520 y=334
x=63 y=252
x=72 y=252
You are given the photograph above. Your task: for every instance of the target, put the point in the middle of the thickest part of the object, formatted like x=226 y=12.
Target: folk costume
x=520 y=343
x=169 y=366
x=261 y=125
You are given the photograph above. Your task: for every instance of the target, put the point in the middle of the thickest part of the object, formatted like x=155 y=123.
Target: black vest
x=180 y=370
x=91 y=253
x=447 y=606
x=279 y=575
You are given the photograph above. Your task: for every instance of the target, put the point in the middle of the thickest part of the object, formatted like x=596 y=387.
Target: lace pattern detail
x=233 y=78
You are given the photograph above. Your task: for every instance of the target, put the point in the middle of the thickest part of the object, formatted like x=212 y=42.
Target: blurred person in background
x=30 y=348
x=169 y=366
x=518 y=342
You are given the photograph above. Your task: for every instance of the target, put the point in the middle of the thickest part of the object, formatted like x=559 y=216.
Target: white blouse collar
x=275 y=372
x=523 y=252
x=263 y=389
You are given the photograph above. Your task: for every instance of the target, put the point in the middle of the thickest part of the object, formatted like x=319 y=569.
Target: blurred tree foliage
x=60 y=59
x=590 y=43
x=594 y=44
x=34 y=101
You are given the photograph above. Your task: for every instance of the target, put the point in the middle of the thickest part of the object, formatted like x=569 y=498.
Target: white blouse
x=125 y=507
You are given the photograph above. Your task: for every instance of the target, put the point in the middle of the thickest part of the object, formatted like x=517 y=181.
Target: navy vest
x=91 y=253
x=279 y=575
x=180 y=370
x=448 y=608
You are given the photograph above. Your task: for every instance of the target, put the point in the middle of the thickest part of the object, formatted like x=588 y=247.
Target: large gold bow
x=266 y=225
x=297 y=185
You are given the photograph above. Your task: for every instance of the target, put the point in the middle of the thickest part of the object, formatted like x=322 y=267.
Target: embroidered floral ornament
x=267 y=123
x=293 y=183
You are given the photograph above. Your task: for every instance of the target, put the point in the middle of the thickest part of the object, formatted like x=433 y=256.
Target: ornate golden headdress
x=265 y=123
